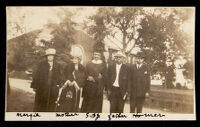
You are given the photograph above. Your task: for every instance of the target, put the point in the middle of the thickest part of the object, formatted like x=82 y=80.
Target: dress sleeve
x=36 y=77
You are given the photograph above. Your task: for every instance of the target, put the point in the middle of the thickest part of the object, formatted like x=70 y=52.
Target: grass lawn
x=20 y=101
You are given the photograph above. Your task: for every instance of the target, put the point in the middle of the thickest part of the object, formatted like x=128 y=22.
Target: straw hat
x=120 y=54
x=50 y=51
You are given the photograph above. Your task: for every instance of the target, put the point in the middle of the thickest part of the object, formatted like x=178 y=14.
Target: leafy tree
x=25 y=51
x=62 y=39
x=110 y=23
x=152 y=42
x=163 y=37
x=156 y=31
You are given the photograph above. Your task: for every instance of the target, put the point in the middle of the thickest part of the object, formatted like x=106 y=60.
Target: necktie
x=138 y=66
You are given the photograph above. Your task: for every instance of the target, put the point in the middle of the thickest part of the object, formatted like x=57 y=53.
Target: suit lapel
x=136 y=70
x=114 y=70
x=142 y=67
x=121 y=70
x=135 y=67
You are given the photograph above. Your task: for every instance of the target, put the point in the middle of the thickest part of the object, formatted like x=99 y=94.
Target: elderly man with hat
x=117 y=84
x=139 y=84
x=46 y=83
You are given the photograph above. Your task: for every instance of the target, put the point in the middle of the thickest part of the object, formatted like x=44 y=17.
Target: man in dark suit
x=46 y=83
x=139 y=84
x=117 y=84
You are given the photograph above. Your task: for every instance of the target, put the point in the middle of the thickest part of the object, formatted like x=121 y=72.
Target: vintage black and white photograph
x=96 y=59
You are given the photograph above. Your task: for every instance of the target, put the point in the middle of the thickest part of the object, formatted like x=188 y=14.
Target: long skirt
x=92 y=104
x=69 y=100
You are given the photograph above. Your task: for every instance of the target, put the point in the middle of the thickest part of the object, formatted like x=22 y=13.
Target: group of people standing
x=61 y=89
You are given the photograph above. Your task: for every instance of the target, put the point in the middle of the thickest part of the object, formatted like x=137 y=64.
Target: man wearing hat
x=139 y=83
x=117 y=84
x=46 y=83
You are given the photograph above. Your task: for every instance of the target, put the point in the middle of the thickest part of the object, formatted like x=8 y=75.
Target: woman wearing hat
x=74 y=76
x=95 y=83
x=46 y=83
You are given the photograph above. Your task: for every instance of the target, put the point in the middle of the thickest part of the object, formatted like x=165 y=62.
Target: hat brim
x=119 y=56
x=140 y=56
x=50 y=55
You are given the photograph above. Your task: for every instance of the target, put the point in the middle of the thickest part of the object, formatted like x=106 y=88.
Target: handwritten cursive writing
x=31 y=115
x=137 y=115
x=153 y=115
x=66 y=114
x=148 y=115
x=93 y=115
x=116 y=115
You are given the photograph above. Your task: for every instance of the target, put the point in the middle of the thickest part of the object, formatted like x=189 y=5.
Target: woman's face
x=50 y=58
x=96 y=56
x=75 y=60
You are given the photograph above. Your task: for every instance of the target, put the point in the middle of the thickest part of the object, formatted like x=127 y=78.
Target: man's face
x=96 y=56
x=50 y=58
x=139 y=60
x=119 y=59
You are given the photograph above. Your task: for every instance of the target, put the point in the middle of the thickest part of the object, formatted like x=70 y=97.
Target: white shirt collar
x=118 y=65
x=139 y=65
x=97 y=61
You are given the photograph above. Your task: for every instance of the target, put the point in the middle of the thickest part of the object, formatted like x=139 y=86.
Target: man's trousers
x=116 y=101
x=136 y=104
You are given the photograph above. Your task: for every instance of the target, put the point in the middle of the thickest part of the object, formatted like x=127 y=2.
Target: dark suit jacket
x=139 y=81
x=123 y=78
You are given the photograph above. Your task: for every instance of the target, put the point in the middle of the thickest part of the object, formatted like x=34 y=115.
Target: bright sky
x=37 y=17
